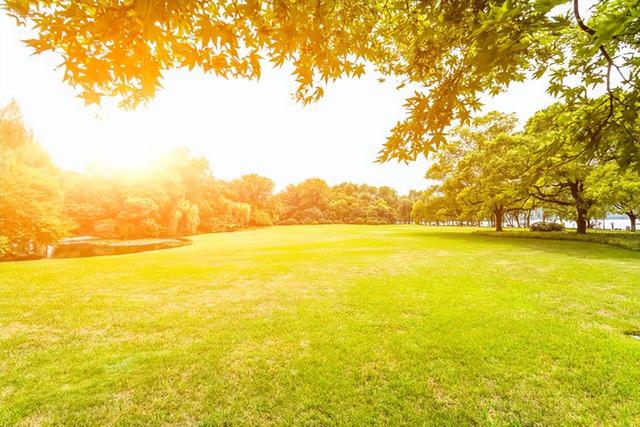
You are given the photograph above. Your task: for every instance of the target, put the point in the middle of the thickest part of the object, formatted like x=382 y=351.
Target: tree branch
x=584 y=27
x=549 y=198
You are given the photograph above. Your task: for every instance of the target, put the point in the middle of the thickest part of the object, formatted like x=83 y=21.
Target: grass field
x=622 y=239
x=324 y=325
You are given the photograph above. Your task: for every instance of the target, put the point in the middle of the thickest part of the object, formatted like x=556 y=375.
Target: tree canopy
x=483 y=164
x=452 y=52
x=31 y=198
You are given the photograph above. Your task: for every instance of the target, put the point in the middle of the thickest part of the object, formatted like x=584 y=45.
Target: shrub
x=358 y=220
x=547 y=226
x=289 y=221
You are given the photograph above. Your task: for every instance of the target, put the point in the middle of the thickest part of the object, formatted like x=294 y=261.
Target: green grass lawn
x=622 y=239
x=323 y=325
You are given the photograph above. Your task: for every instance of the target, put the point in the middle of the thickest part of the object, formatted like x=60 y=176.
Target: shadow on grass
x=572 y=248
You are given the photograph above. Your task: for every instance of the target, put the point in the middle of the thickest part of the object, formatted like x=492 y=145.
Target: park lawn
x=328 y=324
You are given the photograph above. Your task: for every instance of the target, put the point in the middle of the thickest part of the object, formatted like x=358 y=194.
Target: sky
x=241 y=126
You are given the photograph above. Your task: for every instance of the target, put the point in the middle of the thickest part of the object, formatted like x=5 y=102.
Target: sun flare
x=120 y=160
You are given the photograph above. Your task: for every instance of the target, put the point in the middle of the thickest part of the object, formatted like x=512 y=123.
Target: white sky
x=240 y=126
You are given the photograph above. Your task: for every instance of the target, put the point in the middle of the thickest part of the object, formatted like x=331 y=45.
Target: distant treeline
x=177 y=196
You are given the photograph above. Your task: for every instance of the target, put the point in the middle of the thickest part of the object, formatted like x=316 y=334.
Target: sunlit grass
x=325 y=324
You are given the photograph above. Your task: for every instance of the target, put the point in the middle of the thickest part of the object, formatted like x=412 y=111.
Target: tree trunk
x=632 y=217
x=581 y=220
x=582 y=206
x=499 y=214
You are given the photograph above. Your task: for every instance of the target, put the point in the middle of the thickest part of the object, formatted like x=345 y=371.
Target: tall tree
x=493 y=175
x=307 y=201
x=483 y=164
x=570 y=145
x=257 y=191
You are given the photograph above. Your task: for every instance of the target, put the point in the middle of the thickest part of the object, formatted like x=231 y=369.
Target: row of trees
x=571 y=161
x=452 y=52
x=313 y=201
x=176 y=196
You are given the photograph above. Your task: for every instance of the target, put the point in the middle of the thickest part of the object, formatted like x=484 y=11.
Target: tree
x=89 y=201
x=483 y=165
x=493 y=173
x=140 y=217
x=31 y=197
x=253 y=189
x=570 y=145
x=175 y=196
x=257 y=191
x=405 y=206
x=348 y=201
x=185 y=219
x=454 y=50
x=616 y=190
x=307 y=201
x=437 y=204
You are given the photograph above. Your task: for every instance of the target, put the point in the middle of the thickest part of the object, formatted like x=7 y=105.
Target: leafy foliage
x=31 y=200
x=618 y=190
x=567 y=161
x=257 y=192
x=481 y=168
x=570 y=145
x=313 y=201
x=452 y=52
x=178 y=196
x=289 y=221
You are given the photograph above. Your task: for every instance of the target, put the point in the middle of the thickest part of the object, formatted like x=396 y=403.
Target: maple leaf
x=91 y=97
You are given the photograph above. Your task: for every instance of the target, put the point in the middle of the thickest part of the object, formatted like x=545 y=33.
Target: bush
x=289 y=221
x=358 y=220
x=547 y=226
